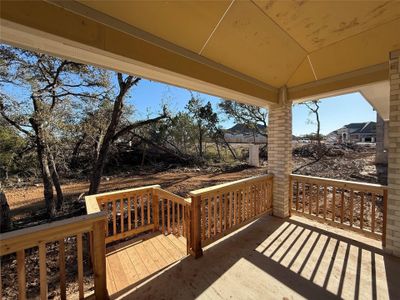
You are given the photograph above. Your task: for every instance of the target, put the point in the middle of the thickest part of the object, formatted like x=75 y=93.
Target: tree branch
x=139 y=124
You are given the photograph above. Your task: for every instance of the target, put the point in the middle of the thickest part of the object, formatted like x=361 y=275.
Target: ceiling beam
x=340 y=84
x=45 y=27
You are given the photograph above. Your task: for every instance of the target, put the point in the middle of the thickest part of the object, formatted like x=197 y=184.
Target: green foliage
x=249 y=115
x=11 y=146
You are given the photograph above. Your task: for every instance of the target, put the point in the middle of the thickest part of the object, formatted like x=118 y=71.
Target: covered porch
x=269 y=54
x=273 y=258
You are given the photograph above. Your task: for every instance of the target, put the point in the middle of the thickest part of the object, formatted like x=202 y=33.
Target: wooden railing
x=346 y=204
x=221 y=209
x=133 y=211
x=58 y=237
x=129 y=212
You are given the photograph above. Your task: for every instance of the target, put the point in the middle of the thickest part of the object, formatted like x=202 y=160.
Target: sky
x=335 y=112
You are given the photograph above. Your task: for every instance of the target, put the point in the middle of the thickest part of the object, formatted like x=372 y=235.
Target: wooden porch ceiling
x=243 y=50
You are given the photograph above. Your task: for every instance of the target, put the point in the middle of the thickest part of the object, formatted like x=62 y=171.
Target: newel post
x=156 y=210
x=195 y=227
x=99 y=260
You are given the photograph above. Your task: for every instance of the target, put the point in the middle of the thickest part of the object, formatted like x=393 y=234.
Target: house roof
x=243 y=129
x=364 y=127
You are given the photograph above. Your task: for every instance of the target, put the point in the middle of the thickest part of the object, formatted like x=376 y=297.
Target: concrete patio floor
x=273 y=258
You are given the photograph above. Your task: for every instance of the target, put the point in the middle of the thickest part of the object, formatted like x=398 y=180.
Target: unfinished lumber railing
x=172 y=213
x=54 y=241
x=134 y=211
x=357 y=206
x=219 y=210
x=129 y=212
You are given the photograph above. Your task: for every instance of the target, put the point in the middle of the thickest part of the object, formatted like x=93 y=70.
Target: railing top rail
x=207 y=190
x=342 y=183
x=30 y=237
x=126 y=191
x=173 y=196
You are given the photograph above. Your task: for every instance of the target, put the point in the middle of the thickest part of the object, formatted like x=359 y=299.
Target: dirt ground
x=28 y=201
x=180 y=181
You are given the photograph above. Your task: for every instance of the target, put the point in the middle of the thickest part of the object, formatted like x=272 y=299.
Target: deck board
x=129 y=263
x=275 y=258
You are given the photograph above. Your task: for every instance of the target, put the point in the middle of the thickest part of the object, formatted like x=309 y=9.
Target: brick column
x=280 y=152
x=393 y=207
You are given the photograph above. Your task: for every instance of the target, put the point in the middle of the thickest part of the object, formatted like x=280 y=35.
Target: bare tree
x=112 y=132
x=51 y=87
x=313 y=106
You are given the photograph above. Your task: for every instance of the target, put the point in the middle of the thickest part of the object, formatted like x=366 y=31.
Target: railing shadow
x=275 y=258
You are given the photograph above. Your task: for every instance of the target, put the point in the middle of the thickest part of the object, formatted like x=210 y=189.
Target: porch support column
x=280 y=152
x=393 y=207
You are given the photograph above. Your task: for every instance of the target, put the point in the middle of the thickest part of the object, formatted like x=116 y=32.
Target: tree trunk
x=109 y=136
x=5 y=220
x=44 y=167
x=56 y=182
x=200 y=141
x=218 y=151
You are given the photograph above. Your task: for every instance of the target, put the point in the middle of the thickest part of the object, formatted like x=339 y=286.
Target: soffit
x=317 y=24
x=185 y=23
x=275 y=42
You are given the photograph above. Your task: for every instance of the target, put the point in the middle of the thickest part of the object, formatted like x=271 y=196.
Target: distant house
x=241 y=133
x=354 y=133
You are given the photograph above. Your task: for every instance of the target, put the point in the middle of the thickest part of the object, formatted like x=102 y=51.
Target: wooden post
x=187 y=219
x=156 y=210
x=385 y=196
x=99 y=260
x=290 y=195
x=195 y=228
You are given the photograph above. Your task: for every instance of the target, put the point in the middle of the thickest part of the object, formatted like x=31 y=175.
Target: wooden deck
x=273 y=258
x=130 y=263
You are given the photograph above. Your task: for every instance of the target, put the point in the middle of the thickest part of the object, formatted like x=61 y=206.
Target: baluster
x=215 y=214
x=231 y=195
x=297 y=195
x=235 y=196
x=209 y=216
x=317 y=198
x=148 y=207
x=61 y=265
x=303 y=197
x=142 y=215
x=129 y=199
x=203 y=218
x=163 y=216
x=122 y=213
x=310 y=197
x=342 y=207
x=334 y=204
x=114 y=212
x=173 y=218
x=351 y=207
x=21 y=275
x=373 y=198
x=179 y=219
x=220 y=197
x=225 y=209
x=325 y=200
x=42 y=271
x=80 y=264
x=168 y=218
x=135 y=207
x=362 y=211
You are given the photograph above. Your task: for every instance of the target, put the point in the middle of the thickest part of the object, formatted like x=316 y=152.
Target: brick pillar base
x=393 y=207
x=280 y=153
